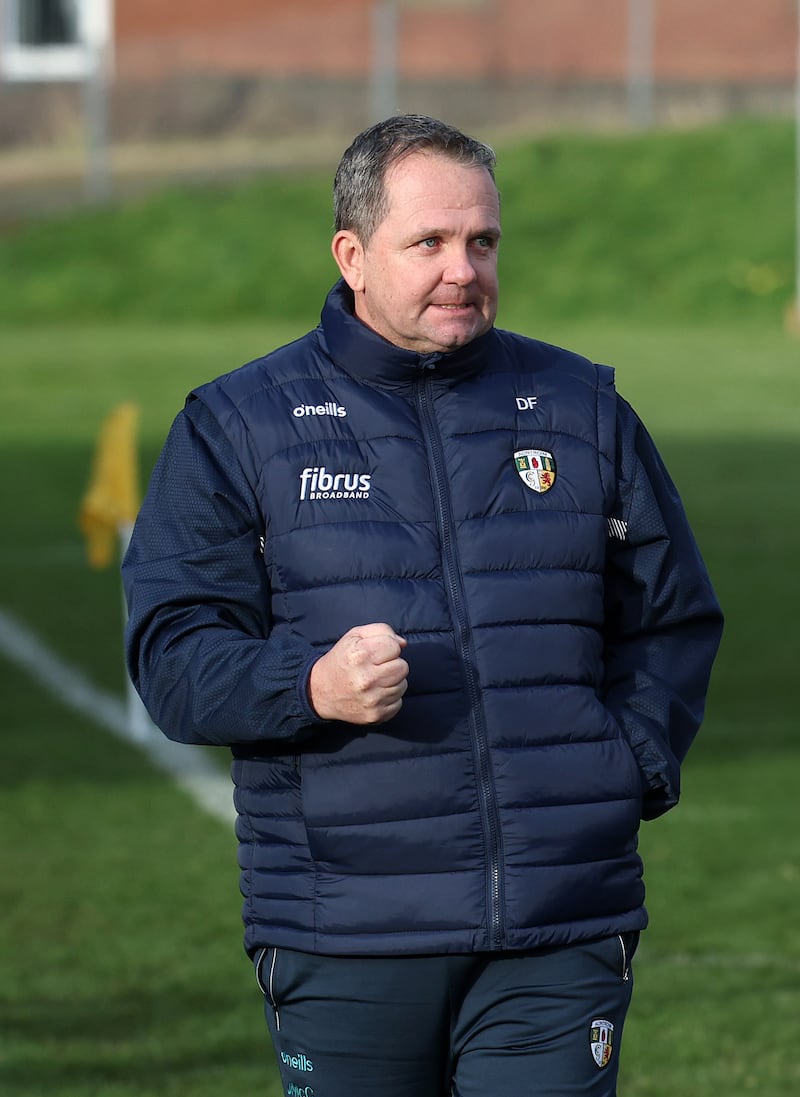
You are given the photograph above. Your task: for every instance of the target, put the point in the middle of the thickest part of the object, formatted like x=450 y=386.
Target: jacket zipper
x=452 y=575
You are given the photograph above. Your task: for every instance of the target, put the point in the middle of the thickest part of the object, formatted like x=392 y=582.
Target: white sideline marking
x=189 y=766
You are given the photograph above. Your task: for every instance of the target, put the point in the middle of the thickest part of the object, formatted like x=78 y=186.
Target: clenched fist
x=362 y=679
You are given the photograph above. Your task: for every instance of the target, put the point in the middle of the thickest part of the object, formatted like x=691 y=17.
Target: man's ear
x=349 y=255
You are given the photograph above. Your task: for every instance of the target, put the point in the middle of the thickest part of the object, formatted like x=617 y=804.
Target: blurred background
x=165 y=215
x=154 y=89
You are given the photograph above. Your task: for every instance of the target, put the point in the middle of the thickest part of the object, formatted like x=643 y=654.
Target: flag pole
x=796 y=318
x=107 y=515
x=641 y=45
x=140 y=726
x=384 y=59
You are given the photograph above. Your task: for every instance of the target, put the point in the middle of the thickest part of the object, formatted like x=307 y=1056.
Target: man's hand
x=362 y=679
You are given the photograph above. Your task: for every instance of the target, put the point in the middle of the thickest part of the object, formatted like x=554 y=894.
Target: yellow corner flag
x=111 y=502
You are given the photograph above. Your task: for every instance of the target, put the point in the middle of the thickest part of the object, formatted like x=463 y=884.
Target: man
x=431 y=583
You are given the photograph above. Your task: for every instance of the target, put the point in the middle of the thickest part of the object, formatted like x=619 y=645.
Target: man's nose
x=459 y=269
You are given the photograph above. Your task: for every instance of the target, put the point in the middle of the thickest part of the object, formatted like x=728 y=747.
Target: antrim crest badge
x=602 y=1041
x=537 y=468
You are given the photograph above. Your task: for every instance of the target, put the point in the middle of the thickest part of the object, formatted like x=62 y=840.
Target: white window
x=48 y=23
x=53 y=39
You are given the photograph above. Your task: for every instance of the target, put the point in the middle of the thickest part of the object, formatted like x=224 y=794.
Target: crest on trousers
x=537 y=468
x=602 y=1041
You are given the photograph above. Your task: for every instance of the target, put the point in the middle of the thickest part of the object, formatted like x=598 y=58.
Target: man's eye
x=429 y=242
x=484 y=241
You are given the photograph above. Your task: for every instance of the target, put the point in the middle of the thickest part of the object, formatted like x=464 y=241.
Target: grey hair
x=359 y=195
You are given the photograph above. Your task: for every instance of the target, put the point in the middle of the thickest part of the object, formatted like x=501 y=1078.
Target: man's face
x=427 y=279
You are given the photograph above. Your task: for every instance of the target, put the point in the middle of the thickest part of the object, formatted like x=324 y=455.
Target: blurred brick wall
x=272 y=68
x=697 y=40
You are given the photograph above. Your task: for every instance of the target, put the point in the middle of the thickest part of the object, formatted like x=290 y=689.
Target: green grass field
x=123 y=974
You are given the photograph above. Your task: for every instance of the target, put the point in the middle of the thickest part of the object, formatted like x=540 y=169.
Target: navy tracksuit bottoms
x=545 y=1023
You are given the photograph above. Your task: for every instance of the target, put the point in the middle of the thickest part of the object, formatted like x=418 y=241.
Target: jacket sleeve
x=663 y=622
x=198 y=642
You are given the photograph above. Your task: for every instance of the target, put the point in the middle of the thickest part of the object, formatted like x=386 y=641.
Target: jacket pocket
x=660 y=774
x=636 y=781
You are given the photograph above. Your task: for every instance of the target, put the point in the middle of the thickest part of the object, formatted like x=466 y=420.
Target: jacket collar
x=372 y=359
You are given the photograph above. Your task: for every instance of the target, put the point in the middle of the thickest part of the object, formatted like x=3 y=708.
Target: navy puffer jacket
x=501 y=508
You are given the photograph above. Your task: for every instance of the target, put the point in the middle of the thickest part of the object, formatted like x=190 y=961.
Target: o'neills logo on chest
x=318 y=483
x=328 y=408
